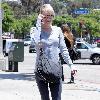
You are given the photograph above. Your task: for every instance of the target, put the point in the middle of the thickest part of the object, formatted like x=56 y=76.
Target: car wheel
x=96 y=59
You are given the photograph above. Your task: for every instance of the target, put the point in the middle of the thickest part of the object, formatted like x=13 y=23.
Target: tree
x=8 y=18
x=57 y=6
x=31 y=5
x=22 y=20
x=22 y=26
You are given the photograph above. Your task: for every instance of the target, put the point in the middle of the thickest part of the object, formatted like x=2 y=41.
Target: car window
x=81 y=46
x=84 y=46
x=89 y=45
x=27 y=39
x=78 y=45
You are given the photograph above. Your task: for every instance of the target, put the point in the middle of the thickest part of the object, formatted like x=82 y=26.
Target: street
x=86 y=70
x=21 y=85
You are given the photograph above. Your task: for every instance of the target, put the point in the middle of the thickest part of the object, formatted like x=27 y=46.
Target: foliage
x=22 y=26
x=8 y=18
x=91 y=21
x=57 y=5
x=59 y=20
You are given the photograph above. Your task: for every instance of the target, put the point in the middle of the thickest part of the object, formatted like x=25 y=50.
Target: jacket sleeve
x=35 y=37
x=63 y=49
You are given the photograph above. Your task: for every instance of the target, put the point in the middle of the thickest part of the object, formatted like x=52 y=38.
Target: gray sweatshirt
x=53 y=43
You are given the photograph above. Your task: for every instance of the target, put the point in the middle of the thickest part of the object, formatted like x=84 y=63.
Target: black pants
x=72 y=56
x=72 y=77
x=55 y=89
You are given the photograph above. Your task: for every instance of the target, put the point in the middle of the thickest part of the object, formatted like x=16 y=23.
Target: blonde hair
x=47 y=8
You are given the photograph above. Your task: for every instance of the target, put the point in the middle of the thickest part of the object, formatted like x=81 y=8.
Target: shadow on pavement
x=18 y=76
x=84 y=63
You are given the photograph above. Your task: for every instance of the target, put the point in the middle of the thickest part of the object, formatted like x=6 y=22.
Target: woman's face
x=48 y=17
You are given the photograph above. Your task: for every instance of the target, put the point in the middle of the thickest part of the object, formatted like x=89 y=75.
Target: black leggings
x=55 y=89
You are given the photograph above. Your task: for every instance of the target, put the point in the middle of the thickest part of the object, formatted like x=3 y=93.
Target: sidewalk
x=22 y=86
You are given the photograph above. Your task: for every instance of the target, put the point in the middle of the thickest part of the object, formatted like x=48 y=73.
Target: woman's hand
x=39 y=21
x=41 y=17
x=73 y=70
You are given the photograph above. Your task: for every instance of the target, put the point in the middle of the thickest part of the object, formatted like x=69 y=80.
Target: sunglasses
x=49 y=16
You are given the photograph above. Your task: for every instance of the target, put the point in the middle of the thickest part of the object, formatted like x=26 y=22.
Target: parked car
x=32 y=48
x=87 y=51
x=27 y=41
x=97 y=41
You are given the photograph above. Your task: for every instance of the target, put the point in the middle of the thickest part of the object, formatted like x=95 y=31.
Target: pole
x=81 y=34
x=0 y=30
x=2 y=60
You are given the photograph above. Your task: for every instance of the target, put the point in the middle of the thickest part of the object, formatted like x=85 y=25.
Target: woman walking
x=51 y=40
x=69 y=41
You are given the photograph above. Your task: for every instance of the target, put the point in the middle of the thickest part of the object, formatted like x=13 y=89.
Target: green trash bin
x=15 y=55
x=16 y=52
